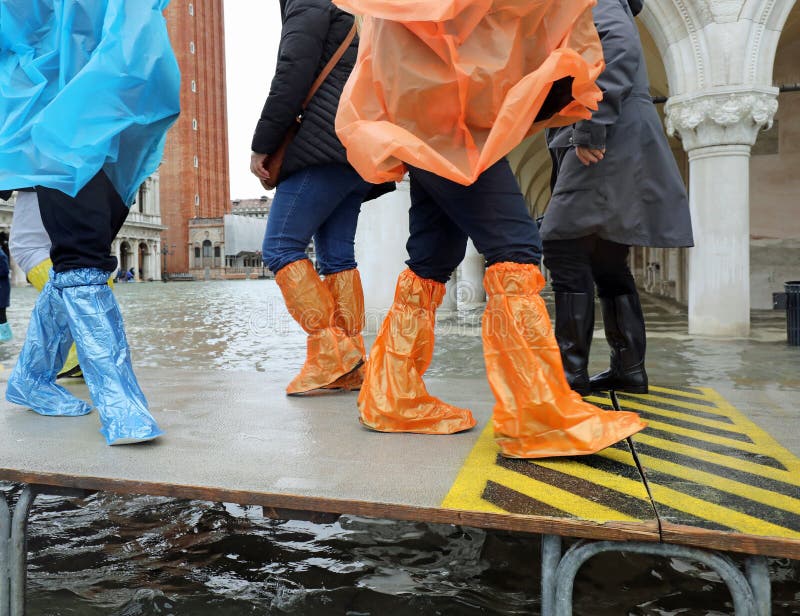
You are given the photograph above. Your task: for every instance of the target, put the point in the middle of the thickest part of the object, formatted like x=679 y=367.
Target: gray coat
x=635 y=195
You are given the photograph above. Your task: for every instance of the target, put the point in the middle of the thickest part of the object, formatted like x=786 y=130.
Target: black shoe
x=574 y=327
x=623 y=321
x=73 y=373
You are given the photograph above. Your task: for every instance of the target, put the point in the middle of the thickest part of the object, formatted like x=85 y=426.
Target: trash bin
x=793 y=312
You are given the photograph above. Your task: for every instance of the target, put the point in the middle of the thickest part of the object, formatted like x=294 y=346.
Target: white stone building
x=138 y=244
x=729 y=71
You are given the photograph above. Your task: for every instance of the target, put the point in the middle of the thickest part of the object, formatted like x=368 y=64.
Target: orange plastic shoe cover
x=348 y=299
x=452 y=86
x=393 y=397
x=330 y=352
x=537 y=415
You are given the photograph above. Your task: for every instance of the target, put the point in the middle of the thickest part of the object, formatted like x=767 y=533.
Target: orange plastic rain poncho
x=451 y=86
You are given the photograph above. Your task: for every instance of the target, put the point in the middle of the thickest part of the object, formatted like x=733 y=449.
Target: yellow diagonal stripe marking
x=677 y=392
x=716 y=513
x=737 y=488
x=652 y=403
x=480 y=467
x=722 y=460
x=556 y=497
x=598 y=477
x=766 y=442
x=688 y=417
x=466 y=493
x=704 y=436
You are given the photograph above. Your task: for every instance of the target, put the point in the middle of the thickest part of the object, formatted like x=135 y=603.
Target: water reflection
x=130 y=556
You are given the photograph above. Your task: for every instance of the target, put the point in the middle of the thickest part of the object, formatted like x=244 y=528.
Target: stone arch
x=686 y=31
x=207 y=252
x=143 y=268
x=125 y=256
x=769 y=18
x=677 y=29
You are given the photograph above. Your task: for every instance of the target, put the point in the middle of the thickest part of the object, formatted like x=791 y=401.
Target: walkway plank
x=235 y=436
x=740 y=494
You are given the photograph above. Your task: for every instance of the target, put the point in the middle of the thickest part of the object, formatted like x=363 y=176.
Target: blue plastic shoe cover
x=96 y=323
x=5 y=332
x=33 y=380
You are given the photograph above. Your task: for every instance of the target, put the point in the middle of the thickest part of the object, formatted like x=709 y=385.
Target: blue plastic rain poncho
x=85 y=85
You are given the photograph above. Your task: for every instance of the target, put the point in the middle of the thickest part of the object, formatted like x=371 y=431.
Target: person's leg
x=394 y=397
x=30 y=248
x=303 y=203
x=569 y=262
x=81 y=229
x=28 y=242
x=623 y=320
x=5 y=297
x=334 y=244
x=537 y=414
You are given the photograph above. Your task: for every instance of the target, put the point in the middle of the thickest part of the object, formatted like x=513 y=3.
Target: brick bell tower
x=194 y=175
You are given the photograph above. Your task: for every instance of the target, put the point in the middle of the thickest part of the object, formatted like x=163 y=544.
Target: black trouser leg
x=82 y=228
x=491 y=211
x=623 y=320
x=569 y=262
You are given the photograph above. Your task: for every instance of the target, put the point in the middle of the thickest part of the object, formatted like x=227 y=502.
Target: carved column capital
x=721 y=117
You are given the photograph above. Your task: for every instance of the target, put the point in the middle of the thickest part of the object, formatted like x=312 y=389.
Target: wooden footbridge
x=704 y=479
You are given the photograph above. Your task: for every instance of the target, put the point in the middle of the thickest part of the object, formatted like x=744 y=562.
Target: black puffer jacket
x=312 y=32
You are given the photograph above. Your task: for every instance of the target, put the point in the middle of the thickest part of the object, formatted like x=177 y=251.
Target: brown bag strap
x=331 y=63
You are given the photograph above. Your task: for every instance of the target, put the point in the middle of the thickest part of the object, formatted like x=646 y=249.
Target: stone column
x=718 y=129
x=450 y=300
x=156 y=193
x=117 y=252
x=158 y=259
x=381 y=250
x=470 y=291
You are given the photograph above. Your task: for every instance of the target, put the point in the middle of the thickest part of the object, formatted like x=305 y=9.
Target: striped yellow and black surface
x=715 y=477
x=599 y=496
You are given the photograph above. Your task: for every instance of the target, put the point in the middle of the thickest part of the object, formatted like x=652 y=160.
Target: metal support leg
x=18 y=550
x=744 y=596
x=757 y=573
x=14 y=552
x=5 y=539
x=14 y=545
x=551 y=556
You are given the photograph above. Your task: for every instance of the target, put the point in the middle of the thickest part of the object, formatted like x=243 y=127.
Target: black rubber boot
x=574 y=327
x=625 y=331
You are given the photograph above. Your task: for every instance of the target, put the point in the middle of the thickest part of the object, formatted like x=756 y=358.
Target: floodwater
x=135 y=556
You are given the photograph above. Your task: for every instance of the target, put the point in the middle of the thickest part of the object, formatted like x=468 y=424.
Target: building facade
x=194 y=174
x=137 y=245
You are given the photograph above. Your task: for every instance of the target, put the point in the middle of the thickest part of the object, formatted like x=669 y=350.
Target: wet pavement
x=110 y=554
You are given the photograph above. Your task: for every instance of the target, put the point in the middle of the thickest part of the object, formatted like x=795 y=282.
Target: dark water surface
x=129 y=556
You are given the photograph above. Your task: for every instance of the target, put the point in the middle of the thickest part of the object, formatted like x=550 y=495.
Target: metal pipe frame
x=750 y=591
x=14 y=545
x=5 y=540
x=14 y=551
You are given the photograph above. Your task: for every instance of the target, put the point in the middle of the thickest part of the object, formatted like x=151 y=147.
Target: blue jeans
x=492 y=212
x=322 y=202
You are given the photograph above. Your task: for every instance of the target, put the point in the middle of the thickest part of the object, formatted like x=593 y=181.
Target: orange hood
x=451 y=86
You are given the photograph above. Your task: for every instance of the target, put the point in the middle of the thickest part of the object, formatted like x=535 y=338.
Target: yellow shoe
x=71 y=368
